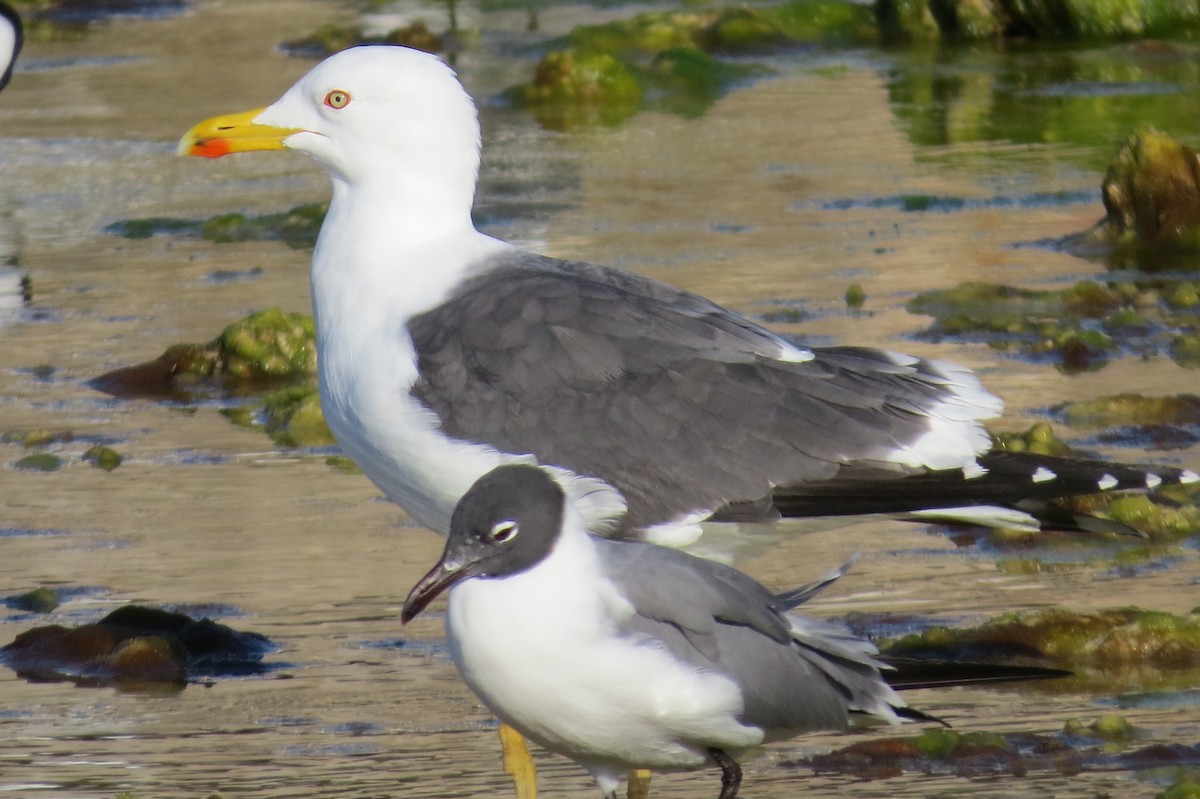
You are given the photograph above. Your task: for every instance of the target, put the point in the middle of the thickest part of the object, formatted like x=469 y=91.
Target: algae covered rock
x=102 y=457
x=1081 y=327
x=1106 y=640
x=1037 y=323
x=291 y=417
x=1124 y=409
x=330 y=38
x=39 y=600
x=1151 y=193
x=296 y=227
x=1039 y=439
x=1111 y=727
x=573 y=87
x=923 y=20
x=666 y=57
x=267 y=346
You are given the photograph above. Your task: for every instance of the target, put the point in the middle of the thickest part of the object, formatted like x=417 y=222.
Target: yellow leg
x=518 y=762
x=639 y=784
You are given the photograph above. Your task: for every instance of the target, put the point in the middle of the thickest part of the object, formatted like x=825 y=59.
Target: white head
x=376 y=117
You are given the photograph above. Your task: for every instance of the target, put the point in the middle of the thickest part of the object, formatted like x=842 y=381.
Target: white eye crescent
x=503 y=532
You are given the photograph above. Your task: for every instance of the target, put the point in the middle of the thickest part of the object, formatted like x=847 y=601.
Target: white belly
x=539 y=649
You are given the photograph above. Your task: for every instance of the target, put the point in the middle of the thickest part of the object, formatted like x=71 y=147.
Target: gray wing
x=626 y=379
x=794 y=673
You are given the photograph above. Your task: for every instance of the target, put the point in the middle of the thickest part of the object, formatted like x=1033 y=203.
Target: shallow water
x=780 y=196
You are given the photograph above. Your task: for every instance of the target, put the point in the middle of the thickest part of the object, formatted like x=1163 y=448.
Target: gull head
x=505 y=524
x=374 y=114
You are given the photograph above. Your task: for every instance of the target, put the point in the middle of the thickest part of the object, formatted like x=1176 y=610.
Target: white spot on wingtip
x=790 y=354
x=1107 y=481
x=1153 y=481
x=1188 y=476
x=1043 y=474
x=974 y=470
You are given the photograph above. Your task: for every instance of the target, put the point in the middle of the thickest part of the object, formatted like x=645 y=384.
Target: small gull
x=625 y=655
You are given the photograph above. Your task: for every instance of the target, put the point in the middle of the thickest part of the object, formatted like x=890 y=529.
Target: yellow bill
x=232 y=133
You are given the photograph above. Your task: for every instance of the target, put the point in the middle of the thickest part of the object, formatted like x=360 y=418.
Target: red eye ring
x=337 y=99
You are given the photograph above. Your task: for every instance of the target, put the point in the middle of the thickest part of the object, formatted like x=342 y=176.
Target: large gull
x=444 y=353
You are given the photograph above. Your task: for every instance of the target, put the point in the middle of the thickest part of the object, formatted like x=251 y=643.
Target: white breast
x=365 y=289
x=541 y=650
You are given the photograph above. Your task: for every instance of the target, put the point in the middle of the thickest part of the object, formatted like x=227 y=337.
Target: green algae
x=1151 y=193
x=39 y=462
x=296 y=227
x=268 y=346
x=1185 y=349
x=39 y=600
x=1124 y=409
x=574 y=87
x=1110 y=727
x=855 y=296
x=293 y=417
x=39 y=437
x=1106 y=640
x=1040 y=439
x=605 y=73
x=1089 y=20
x=102 y=457
x=1187 y=786
x=331 y=38
x=1080 y=327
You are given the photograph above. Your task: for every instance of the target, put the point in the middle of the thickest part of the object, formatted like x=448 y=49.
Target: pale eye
x=337 y=99
x=503 y=532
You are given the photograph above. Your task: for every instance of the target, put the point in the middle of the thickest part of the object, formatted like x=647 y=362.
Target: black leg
x=731 y=773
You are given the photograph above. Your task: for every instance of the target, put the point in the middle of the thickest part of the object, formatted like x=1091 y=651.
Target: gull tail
x=912 y=673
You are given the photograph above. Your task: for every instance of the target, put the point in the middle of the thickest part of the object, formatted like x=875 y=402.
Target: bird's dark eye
x=337 y=99
x=502 y=532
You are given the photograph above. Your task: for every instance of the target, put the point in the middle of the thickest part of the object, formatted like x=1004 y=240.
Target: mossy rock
x=647 y=33
x=924 y=20
x=742 y=30
x=1130 y=409
x=1081 y=326
x=1152 y=193
x=1186 y=787
x=574 y=87
x=296 y=227
x=689 y=81
x=1111 y=727
x=39 y=600
x=330 y=38
x=1185 y=349
x=1039 y=439
x=40 y=437
x=266 y=347
x=294 y=417
x=1101 y=640
x=39 y=462
x=102 y=457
